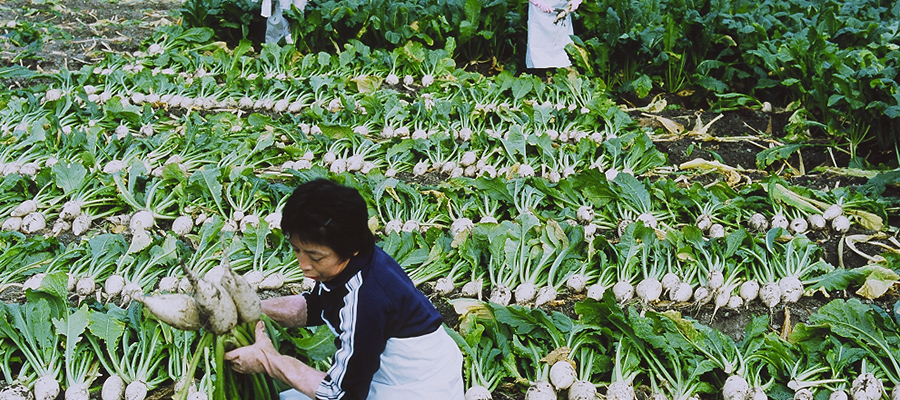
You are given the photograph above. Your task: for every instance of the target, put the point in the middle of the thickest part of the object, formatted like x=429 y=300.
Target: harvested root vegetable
x=176 y=309
x=682 y=293
x=757 y=393
x=168 y=284
x=141 y=220
x=12 y=224
x=544 y=295
x=576 y=283
x=85 y=286
x=183 y=225
x=472 y=288
x=563 y=374
x=540 y=390
x=214 y=305
x=780 y=221
x=624 y=291
x=46 y=388
x=866 y=386
x=113 y=388
x=770 y=294
x=620 y=390
x=840 y=224
x=717 y=231
x=798 y=226
x=246 y=301
x=254 y=278
x=15 y=392
x=34 y=282
x=273 y=281
x=735 y=388
x=24 y=208
x=81 y=224
x=33 y=222
x=78 y=391
x=136 y=390
x=70 y=210
x=749 y=290
x=582 y=390
x=704 y=222
x=702 y=296
x=838 y=395
x=735 y=302
x=443 y=286
x=715 y=279
x=525 y=292
x=478 y=392
x=803 y=394
x=758 y=222
x=791 y=289
x=113 y=285
x=669 y=281
x=833 y=211
x=648 y=290
x=817 y=222
x=501 y=295
x=596 y=291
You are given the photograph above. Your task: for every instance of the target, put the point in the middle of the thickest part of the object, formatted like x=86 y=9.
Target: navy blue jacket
x=369 y=302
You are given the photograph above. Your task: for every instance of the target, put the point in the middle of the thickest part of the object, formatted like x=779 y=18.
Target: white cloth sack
x=547 y=41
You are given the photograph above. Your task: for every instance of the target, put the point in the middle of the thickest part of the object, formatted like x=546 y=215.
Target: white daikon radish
x=24 y=208
x=757 y=393
x=648 y=290
x=525 y=292
x=81 y=224
x=749 y=290
x=254 y=278
x=840 y=224
x=176 y=309
x=273 y=281
x=214 y=304
x=770 y=294
x=12 y=224
x=34 y=222
x=168 y=284
x=833 y=211
x=78 y=391
x=576 y=283
x=249 y=307
x=682 y=293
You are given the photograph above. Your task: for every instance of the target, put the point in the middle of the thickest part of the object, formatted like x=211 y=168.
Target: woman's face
x=317 y=261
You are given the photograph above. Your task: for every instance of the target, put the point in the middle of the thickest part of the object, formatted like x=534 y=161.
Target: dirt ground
x=75 y=33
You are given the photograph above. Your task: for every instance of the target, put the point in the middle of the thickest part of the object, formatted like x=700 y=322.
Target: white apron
x=423 y=367
x=547 y=41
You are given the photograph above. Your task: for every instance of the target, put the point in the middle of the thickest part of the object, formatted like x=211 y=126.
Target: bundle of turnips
x=221 y=300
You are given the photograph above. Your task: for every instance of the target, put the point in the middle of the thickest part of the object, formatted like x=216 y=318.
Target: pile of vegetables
x=510 y=195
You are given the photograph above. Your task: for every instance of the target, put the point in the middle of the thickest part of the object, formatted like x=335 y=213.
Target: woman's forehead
x=309 y=246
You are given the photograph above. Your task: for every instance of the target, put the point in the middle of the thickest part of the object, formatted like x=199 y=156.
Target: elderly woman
x=391 y=343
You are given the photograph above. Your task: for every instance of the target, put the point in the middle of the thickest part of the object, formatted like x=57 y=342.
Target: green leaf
x=106 y=327
x=768 y=156
x=634 y=192
x=69 y=176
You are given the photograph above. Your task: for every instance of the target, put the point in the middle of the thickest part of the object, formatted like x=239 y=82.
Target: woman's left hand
x=252 y=359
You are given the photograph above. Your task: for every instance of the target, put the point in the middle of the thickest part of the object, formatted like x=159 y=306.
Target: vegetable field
x=705 y=206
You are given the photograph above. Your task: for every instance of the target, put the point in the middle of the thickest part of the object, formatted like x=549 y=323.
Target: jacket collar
x=356 y=264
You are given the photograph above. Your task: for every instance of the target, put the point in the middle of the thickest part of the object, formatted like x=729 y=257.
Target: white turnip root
x=798 y=226
x=735 y=302
x=866 y=387
x=716 y=231
x=585 y=214
x=168 y=284
x=443 y=286
x=12 y=224
x=596 y=291
x=648 y=289
x=71 y=281
x=46 y=388
x=113 y=285
x=715 y=279
x=791 y=289
x=702 y=296
x=582 y=390
x=136 y=390
x=649 y=220
x=24 y=208
x=214 y=304
x=85 y=286
x=183 y=225
x=576 y=283
x=817 y=222
x=624 y=291
x=620 y=390
x=478 y=392
x=838 y=395
x=758 y=222
x=525 y=292
x=895 y=392
x=70 y=210
x=254 y=278
x=34 y=282
x=720 y=299
x=770 y=294
x=33 y=222
x=735 y=388
x=749 y=290
x=669 y=282
x=681 y=293
x=704 y=222
x=779 y=221
x=803 y=394
x=81 y=224
x=840 y=224
x=501 y=295
x=246 y=301
x=141 y=220
x=472 y=288
x=461 y=225
x=15 y=392
x=757 y=393
x=132 y=290
x=59 y=227
x=273 y=281
x=113 y=388
x=833 y=211
x=563 y=374
x=540 y=390
x=544 y=295
x=78 y=391
x=176 y=309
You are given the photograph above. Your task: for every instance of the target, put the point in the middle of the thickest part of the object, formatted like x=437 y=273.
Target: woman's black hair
x=326 y=213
